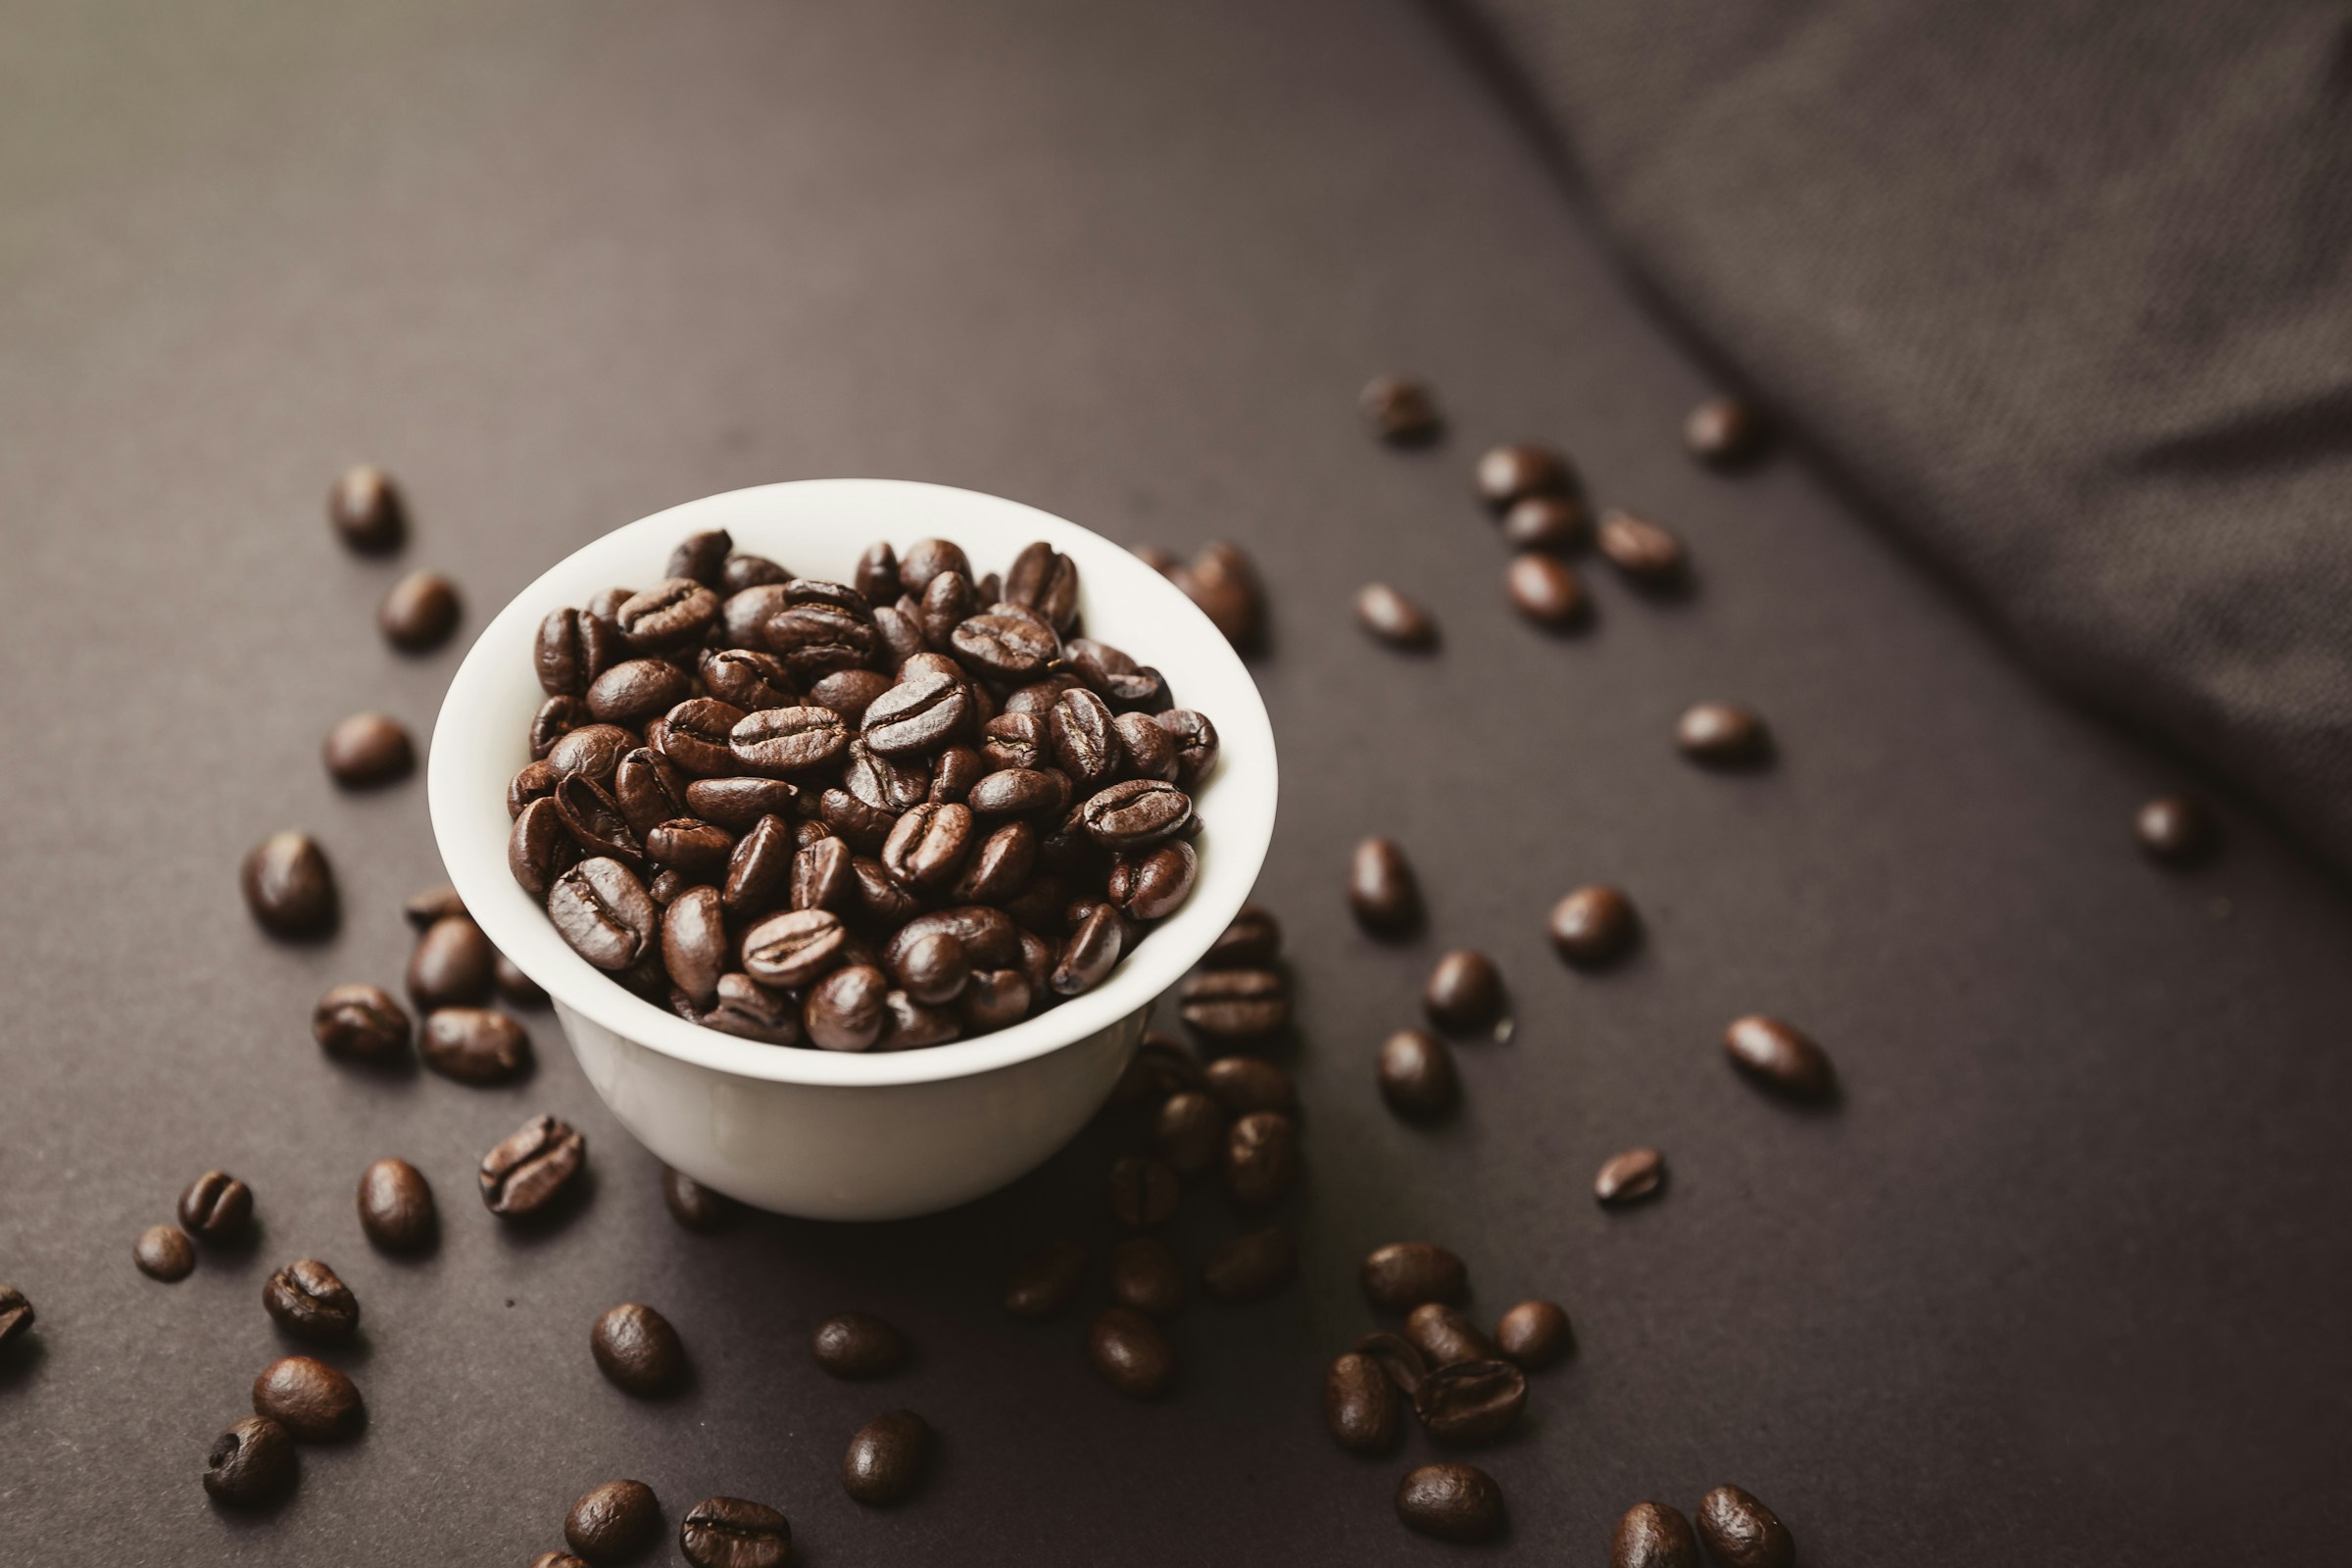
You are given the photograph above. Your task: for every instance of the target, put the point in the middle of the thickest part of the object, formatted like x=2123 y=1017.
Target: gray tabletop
x=2062 y=1279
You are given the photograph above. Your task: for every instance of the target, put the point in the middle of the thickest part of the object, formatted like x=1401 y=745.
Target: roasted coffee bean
x=312 y=1400
x=1393 y=619
x=529 y=1173
x=420 y=612
x=559 y=1559
x=289 y=887
x=1725 y=432
x=820 y=878
x=310 y=1302
x=163 y=1252
x=888 y=784
x=422 y=909
x=396 y=1207
x=1546 y=589
x=534 y=782
x=1653 y=1535
x=476 y=1046
x=1252 y=1266
x=1403 y=1275
x=601 y=909
x=742 y=570
x=1090 y=950
x=216 y=1208
x=1145 y=1274
x=848 y=1010
x=900 y=633
x=1261 y=1158
x=886 y=1458
x=1148 y=747
x=1019 y=792
x=637 y=1350
x=677 y=611
x=595 y=820
x=744 y=614
x=1398 y=1358
x=789 y=740
x=1251 y=941
x=16 y=1315
x=1234 y=1005
x=999 y=867
x=1017 y=741
x=793 y=949
x=1551 y=523
x=1780 y=1058
x=605 y=604
x=369 y=748
x=1402 y=412
x=701 y=556
x=1513 y=472
x=1004 y=648
x=1132 y=1353
x=592 y=752
x=1153 y=885
x=1464 y=991
x=1043 y=1284
x=572 y=649
x=540 y=848
x=556 y=717
x=926 y=558
x=518 y=988
x=696 y=736
x=1534 y=1335
x=1741 y=1533
x=1450 y=1501
x=1630 y=1177
x=1382 y=889
x=744 y=678
x=1243 y=1084
x=2178 y=829
x=945 y=603
x=251 y=1465
x=1647 y=554
x=857 y=1345
x=929 y=844
x=738 y=804
x=615 y=1522
x=934 y=968
x=365 y=505
x=697 y=1207
x=637 y=689
x=911 y=1026
x=1722 y=735
x=1188 y=1132
x=875 y=897
x=1193 y=740
x=1360 y=1405
x=453 y=965
x=735 y=1533
x=1080 y=729
x=1470 y=1401
x=361 y=1023
x=1044 y=580
x=920 y=713
x=748 y=1010
x=1222 y=582
x=694 y=943
x=1418 y=1076
x=953 y=772
x=1593 y=925
x=1445 y=1337
x=696 y=849
x=995 y=998
x=876 y=577
x=1143 y=1192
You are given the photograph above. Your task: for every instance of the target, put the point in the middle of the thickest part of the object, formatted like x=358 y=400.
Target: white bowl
x=824 y=1134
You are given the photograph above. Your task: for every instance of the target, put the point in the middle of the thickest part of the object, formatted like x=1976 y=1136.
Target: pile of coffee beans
x=878 y=816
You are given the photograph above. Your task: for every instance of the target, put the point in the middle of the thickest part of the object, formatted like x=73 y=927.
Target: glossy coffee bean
x=310 y=1302
x=1252 y=941
x=738 y=804
x=1513 y=472
x=1464 y=991
x=1593 y=925
x=16 y=1315
x=848 y=1010
x=251 y=1465
x=1398 y=1358
x=1725 y=432
x=1143 y=1192
x=396 y=1207
x=1043 y=1283
x=1154 y=884
x=1534 y=1335
x=572 y=649
x=1360 y=1405
x=1261 y=1158
x=164 y=1253
x=1546 y=590
x=637 y=1350
x=361 y=1023
x=1132 y=1353
x=592 y=752
x=1470 y=1401
x=420 y=612
x=783 y=740
x=1088 y=953
x=735 y=1533
x=613 y=1523
x=1722 y=735
x=289 y=887
x=1135 y=814
x=1243 y=1084
x=1188 y=1132
x=367 y=749
x=537 y=1166
x=1780 y=1057
x=1234 y=1005
x=1382 y=889
x=476 y=1046
x=1417 y=1075
x=1145 y=1274
x=1252 y=1266
x=697 y=1207
x=604 y=912
x=636 y=690
x=1740 y=1531
x=365 y=507
x=857 y=1345
x=216 y=1208
x=453 y=965
x=1446 y=1336
x=1401 y=411
x=675 y=612
x=422 y=907
x=1630 y=1177
x=886 y=1458
x=1221 y=581
x=2178 y=829
x=556 y=717
x=701 y=556
x=1549 y=522
x=1450 y=1501
x=1653 y=1535
x=694 y=943
x=1647 y=554
x=748 y=1010
x=1403 y=1275
x=1393 y=619
x=1194 y=741
x=312 y=1400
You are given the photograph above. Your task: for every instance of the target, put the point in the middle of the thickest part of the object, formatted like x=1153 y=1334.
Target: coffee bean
x=1090 y=950
x=1647 y=554
x=1593 y=924
x=453 y=965
x=1243 y=1084
x=1551 y=523
x=1132 y=1353
x=1722 y=735
x=742 y=570
x=1631 y=1176
x=1450 y=1501
x=793 y=949
x=1544 y=589
x=1145 y=1274
x=289 y=887
x=748 y=1010
x=1360 y=1405
x=1398 y=1358
x=1004 y=648
x=701 y=556
x=1251 y=941
x=929 y=844
x=1741 y=1533
x=1042 y=579
x=615 y=1522
x=1043 y=1284
x=1402 y=412
x=601 y=909
x=697 y=1207
x=597 y=822
x=735 y=1533
x=1446 y=1336
x=1143 y=1192
x=742 y=678
x=1194 y=741
x=1234 y=1005
x=1224 y=585
x=1252 y=1266
x=1418 y=1076
x=476 y=1046
x=422 y=909
x=857 y=1345
x=533 y=782
x=1725 y=432
x=1780 y=1057
x=1514 y=471
x=822 y=874
x=1154 y=884
x=1019 y=792
x=540 y=848
x=556 y=717
x=251 y=1465
x=694 y=943
x=361 y=1023
x=1261 y=1158
x=1135 y=815
x=529 y=1173
x=1393 y=619
x=592 y=752
x=678 y=610
x=886 y=1458
x=1470 y=1401
x=1653 y=1535
x=1000 y=868
x=312 y=1400
x=365 y=505
x=1188 y=1133
x=1382 y=889
x=1534 y=1335
x=558 y=1560
x=1403 y=1275
x=310 y=1302
x=368 y=748
x=572 y=648
x=789 y=740
x=1464 y=991
x=637 y=1350
x=2178 y=829
x=164 y=1253
x=396 y=1207
x=16 y=1315
x=420 y=612
x=847 y=1010
x=216 y=1208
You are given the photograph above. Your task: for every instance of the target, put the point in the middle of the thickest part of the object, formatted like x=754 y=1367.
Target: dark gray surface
x=2061 y=1282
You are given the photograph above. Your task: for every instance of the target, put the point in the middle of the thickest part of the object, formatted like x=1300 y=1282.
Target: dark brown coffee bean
x=1154 y=884
x=989 y=936
x=1251 y=941
x=529 y=1173
x=857 y=1345
x=572 y=648
x=888 y=784
x=789 y=740
x=793 y=949
x=677 y=611
x=995 y=998
x=920 y=713
x=848 y=1010
x=1017 y=741
x=1043 y=1284
x=1081 y=730
x=596 y=821
x=1194 y=742
x=1653 y=1535
x=453 y=965
x=1741 y=1533
x=1252 y=1266
x=369 y=748
x=746 y=1009
x=1234 y=1005
x=422 y=909
x=1445 y=1337
x=1145 y=1274
x=1090 y=950
x=1143 y=1192
x=396 y=1207
x=216 y=1208
x=1450 y=1501
x=1223 y=583
x=615 y=1522
x=1464 y=991
x=1725 y=432
x=1470 y=1401
x=926 y=558
x=556 y=717
x=1004 y=648
x=163 y=1252
x=601 y=909
x=1393 y=619
x=592 y=752
x=735 y=1533
x=1243 y=1084
x=933 y=969
x=365 y=505
x=1780 y=1057
x=1132 y=1353
x=1044 y=580
x=1514 y=471
x=1534 y=1335
x=911 y=1026
x=1630 y=1177
x=1593 y=925
x=420 y=612
x=745 y=613
x=312 y=1400
x=1402 y=412
x=1550 y=523
x=1647 y=554
x=2178 y=829
x=742 y=570
x=694 y=943
x=697 y=1207
x=1398 y=1358
x=1403 y=1275
x=738 y=804
x=361 y=1023
x=701 y=556
x=820 y=875
x=929 y=844
x=1019 y=792
x=1360 y=1405
x=1188 y=1132
x=697 y=738
x=310 y=1302
x=1000 y=868
x=1418 y=1076
x=953 y=772
x=540 y=848
x=745 y=679
x=476 y=1046
x=697 y=851
x=1261 y=1158
x=289 y=887
x=1544 y=589
x=886 y=1458
x=1148 y=747
x=16 y=1315
x=637 y=1350
x=1722 y=735
x=876 y=577
x=1382 y=889
x=251 y=1465
x=605 y=604
x=535 y=781
x=637 y=689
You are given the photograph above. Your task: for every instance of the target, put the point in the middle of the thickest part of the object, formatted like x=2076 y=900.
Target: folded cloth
x=2064 y=287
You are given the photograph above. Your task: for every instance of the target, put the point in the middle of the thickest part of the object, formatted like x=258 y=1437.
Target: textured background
x=2062 y=1280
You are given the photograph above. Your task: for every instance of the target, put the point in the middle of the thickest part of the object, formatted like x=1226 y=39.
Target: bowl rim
x=468 y=768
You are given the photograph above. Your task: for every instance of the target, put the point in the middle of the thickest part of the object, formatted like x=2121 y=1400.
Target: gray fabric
x=2062 y=286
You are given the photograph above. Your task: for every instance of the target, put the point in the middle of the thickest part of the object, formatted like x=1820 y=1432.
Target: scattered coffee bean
x=1741 y=1533
x=309 y=1301
x=1234 y=1005
x=1251 y=941
x=1464 y=991
x=1593 y=924
x=1470 y=1401
x=2178 y=829
x=1398 y=1358
x=420 y=612
x=1552 y=523
x=1725 y=432
x=476 y=1046
x=164 y=1253
x=1403 y=1275
x=1446 y=1336
x=1261 y=1158
x=1147 y=1275
x=289 y=887
x=1722 y=735
x=637 y=1350
x=1418 y=1076
x=1243 y=1084
x=1393 y=619
x=691 y=1204
x=1450 y=1501
x=1252 y=1266
x=361 y=1023
x=1382 y=889
x=251 y=1465
x=1780 y=1057
x=1534 y=1335
x=1143 y=1192
x=216 y=1208
x=1360 y=1405
x=1510 y=473
x=16 y=1315
x=422 y=909
x=1132 y=1353
x=1222 y=582
x=451 y=965
x=886 y=1458
x=312 y=1400
x=857 y=1345
x=1631 y=1176
x=1402 y=412
x=1647 y=554
x=1160 y=1067
x=367 y=749
x=1188 y=1132
x=615 y=1522
x=519 y=989
x=396 y=1207
x=366 y=509
x=735 y=1533
x=1544 y=589
x=1653 y=1535
x=526 y=1176
x=1043 y=1284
